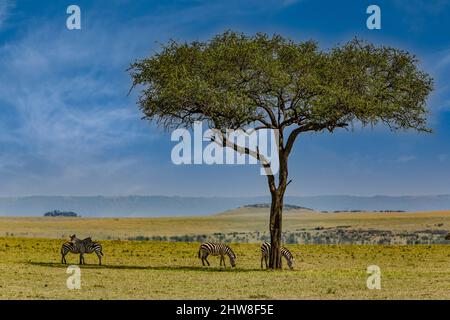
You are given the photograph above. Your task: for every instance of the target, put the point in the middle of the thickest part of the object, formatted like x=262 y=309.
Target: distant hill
x=100 y=206
x=286 y=207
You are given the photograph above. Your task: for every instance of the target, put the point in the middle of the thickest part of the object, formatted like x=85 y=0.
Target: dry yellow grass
x=31 y=269
x=240 y=220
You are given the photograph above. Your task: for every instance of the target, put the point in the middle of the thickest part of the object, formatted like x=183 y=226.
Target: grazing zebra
x=81 y=246
x=265 y=253
x=216 y=249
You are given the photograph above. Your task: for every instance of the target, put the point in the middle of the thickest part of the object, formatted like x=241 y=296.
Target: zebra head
x=290 y=263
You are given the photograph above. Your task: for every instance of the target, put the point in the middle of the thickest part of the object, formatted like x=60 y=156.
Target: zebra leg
x=266 y=257
x=207 y=260
x=223 y=257
x=63 y=259
x=262 y=258
x=201 y=256
x=99 y=258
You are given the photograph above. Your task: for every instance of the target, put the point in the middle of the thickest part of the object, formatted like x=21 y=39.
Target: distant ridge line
x=152 y=206
x=285 y=207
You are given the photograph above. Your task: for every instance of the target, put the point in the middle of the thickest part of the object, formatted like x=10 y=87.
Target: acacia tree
x=235 y=81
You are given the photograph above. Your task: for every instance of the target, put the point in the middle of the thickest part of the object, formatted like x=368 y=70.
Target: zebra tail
x=199 y=253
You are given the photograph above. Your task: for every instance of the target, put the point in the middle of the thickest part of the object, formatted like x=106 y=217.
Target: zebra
x=81 y=246
x=265 y=252
x=73 y=248
x=216 y=249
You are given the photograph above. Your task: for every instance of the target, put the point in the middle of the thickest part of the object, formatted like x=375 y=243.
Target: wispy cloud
x=438 y=64
x=68 y=127
x=404 y=159
x=443 y=157
x=290 y=2
x=66 y=122
x=418 y=11
x=419 y=7
x=64 y=107
x=5 y=8
x=58 y=106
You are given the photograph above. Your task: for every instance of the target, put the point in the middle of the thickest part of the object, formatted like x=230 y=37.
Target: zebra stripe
x=216 y=249
x=81 y=247
x=265 y=253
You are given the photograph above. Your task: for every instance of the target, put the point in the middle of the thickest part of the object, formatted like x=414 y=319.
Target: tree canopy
x=234 y=80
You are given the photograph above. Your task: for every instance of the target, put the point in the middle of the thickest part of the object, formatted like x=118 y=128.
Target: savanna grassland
x=31 y=269
x=242 y=220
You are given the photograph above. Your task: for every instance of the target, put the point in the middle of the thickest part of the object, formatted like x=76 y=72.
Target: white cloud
x=404 y=159
x=438 y=65
x=5 y=7
x=58 y=110
x=289 y=2
x=64 y=107
x=418 y=12
x=419 y=7
x=66 y=122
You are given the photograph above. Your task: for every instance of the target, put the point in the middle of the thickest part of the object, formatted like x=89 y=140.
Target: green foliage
x=234 y=80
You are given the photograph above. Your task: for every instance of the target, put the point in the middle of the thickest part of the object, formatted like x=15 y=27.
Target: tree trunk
x=276 y=210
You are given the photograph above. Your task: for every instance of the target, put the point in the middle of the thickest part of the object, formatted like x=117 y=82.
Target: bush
x=57 y=213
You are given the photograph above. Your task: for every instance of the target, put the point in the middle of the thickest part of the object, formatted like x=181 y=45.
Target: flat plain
x=31 y=268
x=239 y=220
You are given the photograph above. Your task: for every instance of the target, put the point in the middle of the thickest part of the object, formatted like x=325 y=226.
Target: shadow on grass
x=158 y=268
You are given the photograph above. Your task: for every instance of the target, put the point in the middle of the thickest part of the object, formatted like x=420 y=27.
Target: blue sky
x=68 y=127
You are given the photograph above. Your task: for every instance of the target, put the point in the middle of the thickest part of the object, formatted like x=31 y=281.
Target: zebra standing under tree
x=78 y=246
x=216 y=249
x=265 y=253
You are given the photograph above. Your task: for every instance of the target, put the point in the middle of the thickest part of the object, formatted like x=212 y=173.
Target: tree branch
x=330 y=126
x=244 y=150
x=270 y=114
x=291 y=139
